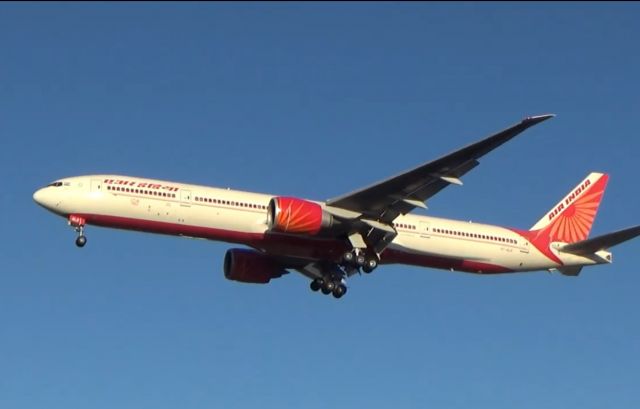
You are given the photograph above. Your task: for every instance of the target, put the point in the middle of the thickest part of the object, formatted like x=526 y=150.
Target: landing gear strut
x=78 y=223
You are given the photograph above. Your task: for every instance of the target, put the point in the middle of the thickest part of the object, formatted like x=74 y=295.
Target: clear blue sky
x=313 y=100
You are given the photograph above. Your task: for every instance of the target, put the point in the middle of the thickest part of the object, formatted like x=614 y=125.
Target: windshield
x=55 y=184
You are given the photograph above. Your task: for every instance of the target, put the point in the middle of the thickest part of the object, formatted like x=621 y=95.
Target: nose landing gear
x=78 y=223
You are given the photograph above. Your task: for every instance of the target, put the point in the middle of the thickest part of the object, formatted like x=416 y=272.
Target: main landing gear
x=333 y=282
x=78 y=223
x=329 y=285
x=356 y=258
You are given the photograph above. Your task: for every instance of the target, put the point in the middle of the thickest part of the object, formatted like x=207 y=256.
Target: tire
x=81 y=241
x=370 y=265
x=315 y=285
x=340 y=291
x=328 y=286
x=348 y=257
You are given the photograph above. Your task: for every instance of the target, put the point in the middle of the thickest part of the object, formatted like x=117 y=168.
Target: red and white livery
x=332 y=240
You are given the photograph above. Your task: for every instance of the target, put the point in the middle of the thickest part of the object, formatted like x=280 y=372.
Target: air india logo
x=572 y=219
x=569 y=199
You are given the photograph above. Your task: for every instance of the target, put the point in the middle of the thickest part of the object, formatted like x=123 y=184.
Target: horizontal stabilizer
x=591 y=246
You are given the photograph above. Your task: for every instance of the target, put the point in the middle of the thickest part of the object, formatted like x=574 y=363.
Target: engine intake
x=292 y=215
x=249 y=266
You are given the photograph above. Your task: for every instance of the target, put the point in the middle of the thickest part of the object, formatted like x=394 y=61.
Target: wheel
x=339 y=291
x=348 y=257
x=328 y=287
x=370 y=265
x=81 y=241
x=360 y=260
x=316 y=284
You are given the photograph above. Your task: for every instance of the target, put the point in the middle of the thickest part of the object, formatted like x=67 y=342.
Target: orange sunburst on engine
x=292 y=215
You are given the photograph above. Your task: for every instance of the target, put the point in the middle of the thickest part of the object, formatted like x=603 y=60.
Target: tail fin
x=571 y=219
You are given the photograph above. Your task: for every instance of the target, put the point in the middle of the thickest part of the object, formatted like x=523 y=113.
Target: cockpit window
x=55 y=184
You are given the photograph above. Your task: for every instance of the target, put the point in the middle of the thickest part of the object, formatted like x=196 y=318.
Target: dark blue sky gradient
x=313 y=100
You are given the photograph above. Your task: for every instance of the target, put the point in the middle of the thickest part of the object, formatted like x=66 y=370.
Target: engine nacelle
x=292 y=215
x=249 y=266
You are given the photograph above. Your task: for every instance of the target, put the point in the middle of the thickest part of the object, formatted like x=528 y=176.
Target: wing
x=385 y=200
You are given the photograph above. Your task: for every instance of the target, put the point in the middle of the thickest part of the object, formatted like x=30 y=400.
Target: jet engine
x=292 y=215
x=250 y=266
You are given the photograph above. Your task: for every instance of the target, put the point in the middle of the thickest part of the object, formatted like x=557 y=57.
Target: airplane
x=330 y=241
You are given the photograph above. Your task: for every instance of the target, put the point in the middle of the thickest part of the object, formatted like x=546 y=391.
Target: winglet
x=536 y=119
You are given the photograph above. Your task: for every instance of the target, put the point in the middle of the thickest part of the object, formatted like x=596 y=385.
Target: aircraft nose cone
x=38 y=197
x=45 y=198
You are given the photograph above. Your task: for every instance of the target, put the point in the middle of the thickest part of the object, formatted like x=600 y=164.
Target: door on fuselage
x=185 y=197
x=96 y=185
x=185 y=205
x=423 y=228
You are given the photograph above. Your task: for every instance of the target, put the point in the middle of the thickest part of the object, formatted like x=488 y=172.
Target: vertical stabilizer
x=571 y=219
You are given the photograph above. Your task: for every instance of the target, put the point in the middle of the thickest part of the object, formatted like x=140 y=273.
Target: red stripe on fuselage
x=395 y=256
x=274 y=243
x=289 y=245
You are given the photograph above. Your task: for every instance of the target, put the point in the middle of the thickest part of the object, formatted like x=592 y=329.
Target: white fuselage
x=241 y=217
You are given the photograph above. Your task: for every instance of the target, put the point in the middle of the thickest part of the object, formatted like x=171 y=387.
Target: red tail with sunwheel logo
x=571 y=219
